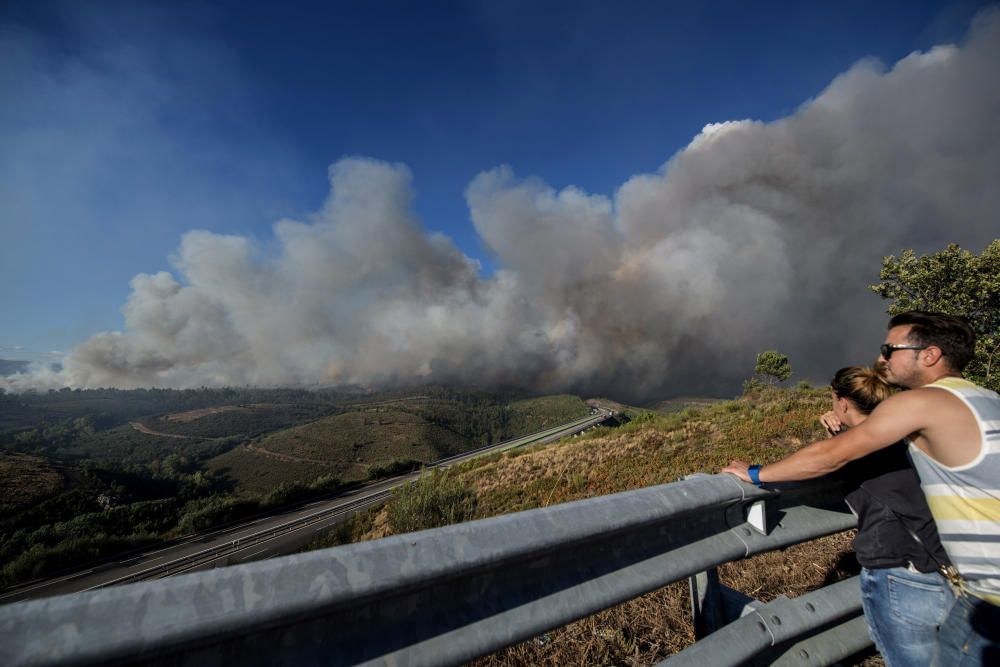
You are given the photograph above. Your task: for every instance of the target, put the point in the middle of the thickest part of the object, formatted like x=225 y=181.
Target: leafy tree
x=772 y=366
x=957 y=282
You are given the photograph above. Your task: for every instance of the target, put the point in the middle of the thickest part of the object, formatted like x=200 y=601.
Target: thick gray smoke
x=755 y=236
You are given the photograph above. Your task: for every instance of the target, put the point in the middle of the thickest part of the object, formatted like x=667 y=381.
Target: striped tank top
x=965 y=500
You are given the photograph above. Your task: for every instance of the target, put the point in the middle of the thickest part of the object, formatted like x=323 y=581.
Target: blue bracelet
x=754 y=473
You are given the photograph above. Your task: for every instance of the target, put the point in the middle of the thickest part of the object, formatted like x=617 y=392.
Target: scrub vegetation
x=650 y=448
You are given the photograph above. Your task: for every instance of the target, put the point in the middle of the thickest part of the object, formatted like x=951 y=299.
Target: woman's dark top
x=884 y=491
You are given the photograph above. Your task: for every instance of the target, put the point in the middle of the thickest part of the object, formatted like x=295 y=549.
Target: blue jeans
x=903 y=610
x=970 y=635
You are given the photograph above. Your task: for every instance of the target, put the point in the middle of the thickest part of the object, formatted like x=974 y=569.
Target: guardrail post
x=714 y=605
x=706 y=606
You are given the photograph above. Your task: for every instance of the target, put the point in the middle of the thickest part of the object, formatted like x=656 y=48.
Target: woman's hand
x=831 y=422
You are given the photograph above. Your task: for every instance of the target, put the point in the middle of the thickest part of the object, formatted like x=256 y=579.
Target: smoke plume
x=755 y=236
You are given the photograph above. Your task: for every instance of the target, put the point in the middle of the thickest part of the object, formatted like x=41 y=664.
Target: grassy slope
x=652 y=449
x=343 y=445
x=418 y=429
x=232 y=420
x=534 y=414
x=373 y=435
x=254 y=473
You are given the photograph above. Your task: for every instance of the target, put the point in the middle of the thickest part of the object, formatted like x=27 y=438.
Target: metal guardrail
x=772 y=631
x=437 y=597
x=212 y=553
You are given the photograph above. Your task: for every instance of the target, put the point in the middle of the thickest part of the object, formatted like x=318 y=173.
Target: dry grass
x=642 y=631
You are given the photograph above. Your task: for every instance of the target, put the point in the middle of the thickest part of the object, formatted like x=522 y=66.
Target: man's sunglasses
x=886 y=349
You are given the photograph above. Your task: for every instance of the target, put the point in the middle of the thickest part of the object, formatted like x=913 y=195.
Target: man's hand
x=831 y=422
x=738 y=468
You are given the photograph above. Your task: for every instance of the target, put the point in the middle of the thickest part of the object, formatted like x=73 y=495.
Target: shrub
x=392 y=468
x=285 y=493
x=208 y=513
x=433 y=500
x=326 y=484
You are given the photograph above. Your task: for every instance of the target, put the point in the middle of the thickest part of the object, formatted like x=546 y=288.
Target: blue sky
x=126 y=124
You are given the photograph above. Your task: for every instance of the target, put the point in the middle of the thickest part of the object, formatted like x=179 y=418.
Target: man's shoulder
x=921 y=400
x=914 y=396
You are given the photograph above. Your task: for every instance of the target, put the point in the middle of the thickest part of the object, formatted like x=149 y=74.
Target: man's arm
x=894 y=419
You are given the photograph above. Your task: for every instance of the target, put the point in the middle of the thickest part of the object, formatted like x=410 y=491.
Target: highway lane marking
x=43 y=584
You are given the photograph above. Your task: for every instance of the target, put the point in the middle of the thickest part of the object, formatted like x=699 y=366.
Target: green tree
x=772 y=366
x=957 y=282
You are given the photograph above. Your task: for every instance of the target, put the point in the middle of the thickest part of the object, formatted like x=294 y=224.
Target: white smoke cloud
x=756 y=235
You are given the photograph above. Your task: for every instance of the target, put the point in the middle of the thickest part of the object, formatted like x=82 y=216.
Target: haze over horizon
x=477 y=226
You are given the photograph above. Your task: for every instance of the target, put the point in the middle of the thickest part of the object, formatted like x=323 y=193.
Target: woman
x=904 y=595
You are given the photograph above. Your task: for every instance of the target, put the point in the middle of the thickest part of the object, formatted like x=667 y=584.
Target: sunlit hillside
x=651 y=449
x=399 y=433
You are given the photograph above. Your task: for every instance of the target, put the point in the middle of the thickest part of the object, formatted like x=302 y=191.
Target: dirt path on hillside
x=287 y=458
x=381 y=403
x=191 y=415
x=142 y=428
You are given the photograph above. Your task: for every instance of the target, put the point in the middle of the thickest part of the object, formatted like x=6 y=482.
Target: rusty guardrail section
x=448 y=595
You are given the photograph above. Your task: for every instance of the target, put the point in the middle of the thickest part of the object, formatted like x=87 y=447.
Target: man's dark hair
x=951 y=333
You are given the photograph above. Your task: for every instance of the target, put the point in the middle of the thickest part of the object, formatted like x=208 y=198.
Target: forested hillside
x=87 y=474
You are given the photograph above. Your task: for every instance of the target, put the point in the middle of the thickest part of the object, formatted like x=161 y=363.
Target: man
x=953 y=430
